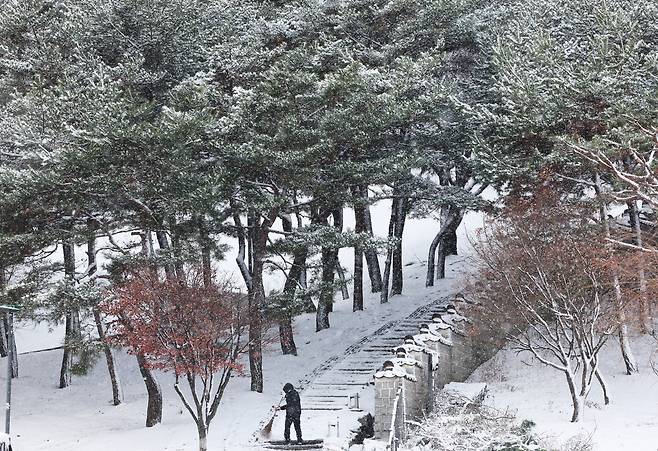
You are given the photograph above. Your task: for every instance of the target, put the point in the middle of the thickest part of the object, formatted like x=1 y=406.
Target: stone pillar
x=444 y=374
x=387 y=382
x=463 y=360
x=416 y=399
x=442 y=348
x=428 y=359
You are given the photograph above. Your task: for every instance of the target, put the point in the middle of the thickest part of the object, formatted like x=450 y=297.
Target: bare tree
x=543 y=278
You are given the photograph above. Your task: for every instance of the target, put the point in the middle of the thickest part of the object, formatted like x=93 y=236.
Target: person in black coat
x=293 y=408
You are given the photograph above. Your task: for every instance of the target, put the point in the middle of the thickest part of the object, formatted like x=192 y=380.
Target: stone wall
x=443 y=352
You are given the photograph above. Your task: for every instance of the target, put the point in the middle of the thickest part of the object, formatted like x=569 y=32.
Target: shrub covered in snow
x=458 y=423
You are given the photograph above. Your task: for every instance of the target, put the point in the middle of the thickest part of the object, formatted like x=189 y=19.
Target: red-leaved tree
x=195 y=331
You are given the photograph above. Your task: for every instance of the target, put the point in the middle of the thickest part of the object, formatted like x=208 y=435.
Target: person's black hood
x=288 y=387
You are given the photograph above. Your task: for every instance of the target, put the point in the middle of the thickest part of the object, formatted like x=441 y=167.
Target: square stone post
x=387 y=382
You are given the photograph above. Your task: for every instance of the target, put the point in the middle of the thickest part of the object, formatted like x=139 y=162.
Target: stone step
x=280 y=444
x=323 y=408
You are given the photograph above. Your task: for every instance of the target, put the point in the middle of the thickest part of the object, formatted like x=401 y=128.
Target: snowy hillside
x=537 y=393
x=81 y=418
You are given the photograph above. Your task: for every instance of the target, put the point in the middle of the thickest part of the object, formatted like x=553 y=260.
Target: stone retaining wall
x=444 y=353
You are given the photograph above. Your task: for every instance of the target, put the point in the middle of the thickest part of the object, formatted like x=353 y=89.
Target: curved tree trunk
x=286 y=336
x=109 y=358
x=441 y=255
x=451 y=217
x=451 y=243
x=154 y=402
x=576 y=400
x=604 y=387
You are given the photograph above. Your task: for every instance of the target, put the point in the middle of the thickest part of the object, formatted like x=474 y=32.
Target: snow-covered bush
x=458 y=423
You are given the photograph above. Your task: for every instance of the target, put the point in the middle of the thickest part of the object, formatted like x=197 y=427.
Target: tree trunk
x=307 y=299
x=5 y=343
x=109 y=358
x=371 y=254
x=4 y=334
x=645 y=317
x=341 y=278
x=203 y=437
x=72 y=321
x=451 y=243
x=625 y=346
x=396 y=212
x=441 y=255
x=451 y=217
x=576 y=399
x=154 y=405
x=286 y=336
x=357 y=301
x=604 y=387
x=337 y=215
x=117 y=395
x=398 y=277
x=163 y=243
x=328 y=259
x=204 y=242
x=176 y=250
x=359 y=228
x=4 y=337
x=257 y=300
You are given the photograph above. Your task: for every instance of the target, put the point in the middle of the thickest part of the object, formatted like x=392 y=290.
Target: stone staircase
x=326 y=391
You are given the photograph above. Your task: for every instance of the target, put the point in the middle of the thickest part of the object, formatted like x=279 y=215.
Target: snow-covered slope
x=81 y=417
x=540 y=394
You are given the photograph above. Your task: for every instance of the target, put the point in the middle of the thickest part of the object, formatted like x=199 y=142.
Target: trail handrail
x=397 y=433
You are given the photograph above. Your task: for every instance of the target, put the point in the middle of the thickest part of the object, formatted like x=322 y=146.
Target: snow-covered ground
x=81 y=418
x=540 y=394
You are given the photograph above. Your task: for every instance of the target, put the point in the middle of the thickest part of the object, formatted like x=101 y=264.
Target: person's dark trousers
x=298 y=427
